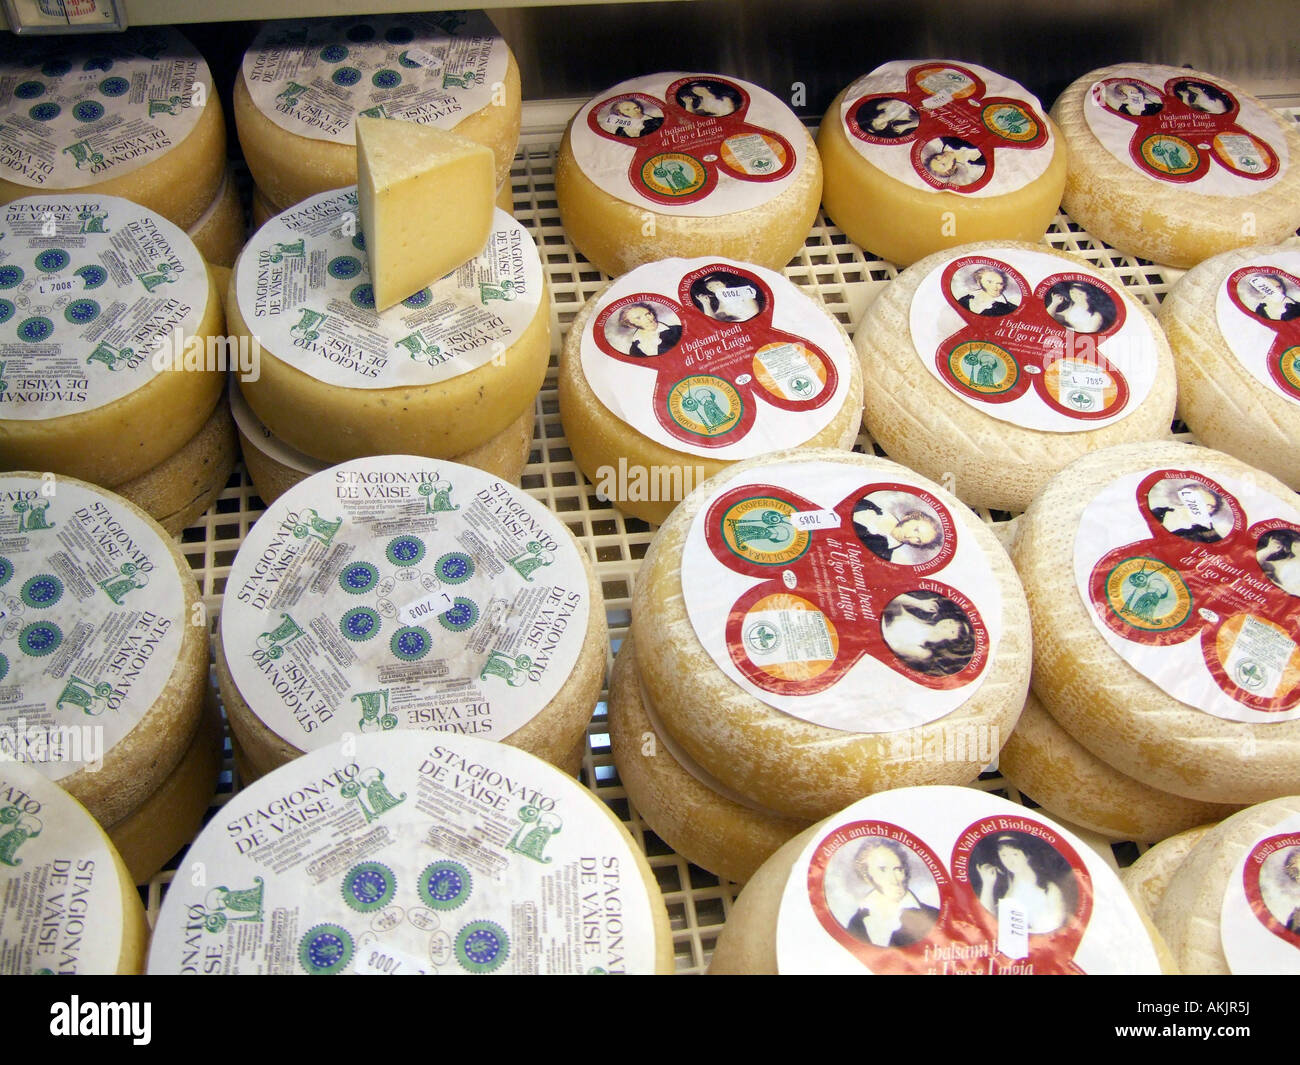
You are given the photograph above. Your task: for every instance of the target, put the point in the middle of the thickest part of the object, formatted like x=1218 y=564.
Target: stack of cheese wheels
x=995 y=365
x=274 y=467
x=219 y=232
x=681 y=367
x=937 y=880
x=67 y=904
x=813 y=626
x=682 y=164
x=1148 y=877
x=1233 y=903
x=415 y=854
x=1175 y=165
x=404 y=592
x=107 y=313
x=1233 y=323
x=103 y=651
x=303 y=84
x=1165 y=595
x=131 y=114
x=925 y=155
x=1061 y=775
x=451 y=368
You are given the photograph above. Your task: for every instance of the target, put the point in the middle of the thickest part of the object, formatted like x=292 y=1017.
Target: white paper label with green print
x=313 y=78
x=92 y=289
x=60 y=896
x=76 y=115
x=92 y=622
x=303 y=285
x=400 y=592
x=438 y=855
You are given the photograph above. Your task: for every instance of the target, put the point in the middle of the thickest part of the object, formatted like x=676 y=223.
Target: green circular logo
x=325 y=950
x=369 y=886
x=482 y=947
x=445 y=885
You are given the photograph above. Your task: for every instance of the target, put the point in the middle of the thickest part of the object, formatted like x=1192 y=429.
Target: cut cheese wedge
x=68 y=906
x=1046 y=764
x=426 y=201
x=1148 y=877
x=386 y=882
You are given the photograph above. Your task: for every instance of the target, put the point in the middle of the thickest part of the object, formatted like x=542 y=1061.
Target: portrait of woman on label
x=887 y=117
x=898 y=527
x=1080 y=306
x=727 y=297
x=1202 y=96
x=953 y=161
x=985 y=290
x=929 y=633
x=1279 y=887
x=1190 y=509
x=1278 y=554
x=1269 y=296
x=703 y=96
x=629 y=117
x=643 y=329
x=1132 y=98
x=1015 y=867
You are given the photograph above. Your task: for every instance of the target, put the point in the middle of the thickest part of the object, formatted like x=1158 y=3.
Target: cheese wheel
x=1060 y=775
x=717 y=831
x=443 y=372
x=181 y=488
x=151 y=834
x=132 y=114
x=679 y=165
x=67 y=903
x=1227 y=906
x=922 y=156
x=1233 y=323
x=1148 y=877
x=822 y=903
x=100 y=647
x=264 y=210
x=274 y=467
x=97 y=336
x=993 y=392
x=804 y=666
x=219 y=232
x=301 y=87
x=413 y=583
x=1163 y=612
x=783 y=368
x=386 y=882
x=1175 y=165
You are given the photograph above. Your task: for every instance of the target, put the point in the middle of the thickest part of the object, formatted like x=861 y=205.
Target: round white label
x=1194 y=580
x=941 y=126
x=942 y=880
x=1034 y=340
x=439 y=855
x=1179 y=128
x=715 y=357
x=1258 y=313
x=401 y=592
x=695 y=145
x=313 y=78
x=91 y=622
x=841 y=595
x=60 y=896
x=1259 y=922
x=303 y=285
x=74 y=114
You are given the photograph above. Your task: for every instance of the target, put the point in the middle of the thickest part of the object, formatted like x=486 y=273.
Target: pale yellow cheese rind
x=903 y=224
x=597 y=438
x=1147 y=878
x=986 y=461
x=1119 y=715
x=782 y=762
x=219 y=233
x=618 y=236
x=1045 y=763
x=289 y=168
x=704 y=827
x=1159 y=220
x=426 y=202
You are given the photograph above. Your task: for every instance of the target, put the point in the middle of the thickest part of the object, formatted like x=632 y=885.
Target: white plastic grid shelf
x=845 y=279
